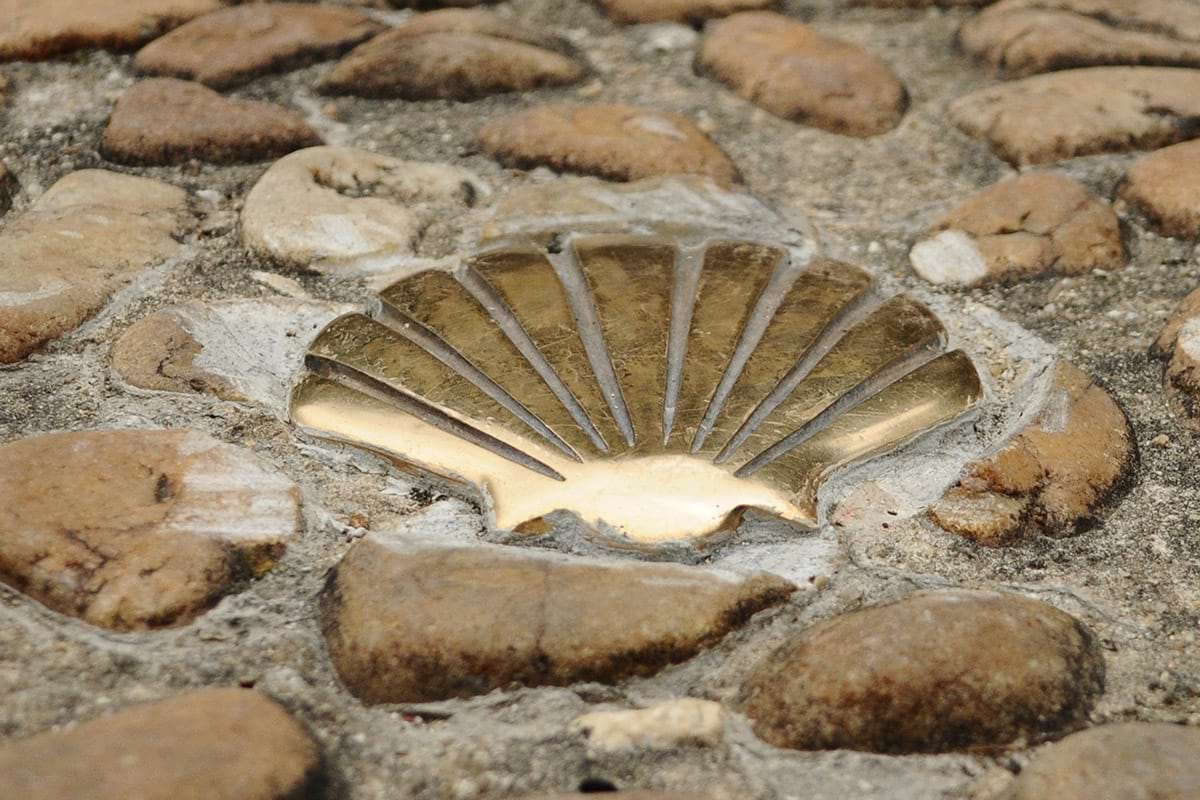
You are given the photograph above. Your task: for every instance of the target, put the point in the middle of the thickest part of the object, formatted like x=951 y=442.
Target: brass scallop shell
x=653 y=386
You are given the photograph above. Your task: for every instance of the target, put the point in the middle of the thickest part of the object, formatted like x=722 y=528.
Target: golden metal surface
x=514 y=373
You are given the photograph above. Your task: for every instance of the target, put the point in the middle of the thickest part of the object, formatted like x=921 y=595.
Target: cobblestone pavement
x=203 y=596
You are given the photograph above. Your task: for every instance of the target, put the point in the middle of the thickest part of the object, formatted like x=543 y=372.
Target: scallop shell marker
x=650 y=386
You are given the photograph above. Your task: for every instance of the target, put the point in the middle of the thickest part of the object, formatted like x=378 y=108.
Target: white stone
x=951 y=257
x=666 y=726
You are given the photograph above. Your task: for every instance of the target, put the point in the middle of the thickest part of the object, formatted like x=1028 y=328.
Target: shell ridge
x=689 y=265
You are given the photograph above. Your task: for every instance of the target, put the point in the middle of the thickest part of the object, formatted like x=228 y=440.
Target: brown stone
x=932 y=672
x=90 y=234
x=1179 y=345
x=167 y=121
x=617 y=142
x=1024 y=227
x=636 y=794
x=1083 y=112
x=409 y=624
x=39 y=29
x=233 y=45
x=137 y=529
x=1053 y=475
x=796 y=73
x=632 y=12
x=1024 y=37
x=1165 y=186
x=159 y=354
x=924 y=3
x=210 y=744
x=1123 y=760
x=457 y=54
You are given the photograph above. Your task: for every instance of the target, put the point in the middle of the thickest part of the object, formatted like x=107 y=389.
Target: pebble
x=163 y=121
x=454 y=54
x=686 y=722
x=1053 y=475
x=41 y=29
x=1165 y=186
x=132 y=530
x=1022 y=228
x=616 y=142
x=91 y=233
x=221 y=744
x=934 y=671
x=1179 y=345
x=403 y=624
x=1082 y=112
x=633 y=12
x=1025 y=37
x=338 y=209
x=234 y=45
x=243 y=349
x=796 y=73
x=1121 y=760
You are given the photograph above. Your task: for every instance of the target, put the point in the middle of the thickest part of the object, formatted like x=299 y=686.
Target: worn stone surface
x=169 y=121
x=402 y=625
x=1165 y=186
x=90 y=234
x=233 y=45
x=689 y=11
x=924 y=3
x=38 y=29
x=1179 y=345
x=796 y=73
x=243 y=350
x=1022 y=228
x=687 y=722
x=1024 y=37
x=933 y=671
x=337 y=209
x=1081 y=112
x=1053 y=475
x=616 y=142
x=218 y=744
x=137 y=529
x=456 y=54
x=1132 y=759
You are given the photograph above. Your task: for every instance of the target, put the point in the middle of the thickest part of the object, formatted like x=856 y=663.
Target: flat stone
x=1083 y=112
x=924 y=3
x=687 y=722
x=1130 y=759
x=405 y=624
x=138 y=529
x=1053 y=475
x=616 y=142
x=1024 y=37
x=9 y=186
x=89 y=235
x=797 y=73
x=243 y=350
x=454 y=54
x=632 y=12
x=1021 y=228
x=932 y=672
x=231 y=46
x=1165 y=186
x=1179 y=345
x=220 y=744
x=164 y=121
x=40 y=29
x=337 y=209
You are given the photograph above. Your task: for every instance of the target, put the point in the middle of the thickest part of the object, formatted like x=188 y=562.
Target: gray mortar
x=1132 y=577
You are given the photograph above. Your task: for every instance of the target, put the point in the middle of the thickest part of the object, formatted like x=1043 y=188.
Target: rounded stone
x=1022 y=228
x=164 y=121
x=409 y=624
x=1179 y=345
x=1123 y=760
x=1165 y=186
x=211 y=744
x=231 y=46
x=796 y=73
x=138 y=529
x=617 y=142
x=932 y=672
x=636 y=12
